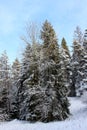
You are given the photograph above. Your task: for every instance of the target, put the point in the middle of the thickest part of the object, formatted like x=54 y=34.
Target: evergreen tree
x=75 y=61
x=15 y=70
x=15 y=73
x=65 y=59
x=51 y=79
x=50 y=46
x=65 y=48
x=83 y=68
x=29 y=82
x=48 y=101
x=4 y=87
x=29 y=78
x=42 y=93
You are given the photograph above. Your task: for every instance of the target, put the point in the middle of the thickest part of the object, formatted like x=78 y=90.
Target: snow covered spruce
x=42 y=92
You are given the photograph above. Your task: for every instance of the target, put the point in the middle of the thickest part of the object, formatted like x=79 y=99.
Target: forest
x=38 y=87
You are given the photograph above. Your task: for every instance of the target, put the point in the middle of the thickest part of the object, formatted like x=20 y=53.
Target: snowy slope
x=77 y=121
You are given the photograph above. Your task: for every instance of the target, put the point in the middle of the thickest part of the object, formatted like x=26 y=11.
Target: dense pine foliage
x=37 y=87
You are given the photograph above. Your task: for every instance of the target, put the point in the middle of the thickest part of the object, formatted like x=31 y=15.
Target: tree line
x=37 y=87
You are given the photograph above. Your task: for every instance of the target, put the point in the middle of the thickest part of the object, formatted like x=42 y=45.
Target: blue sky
x=64 y=15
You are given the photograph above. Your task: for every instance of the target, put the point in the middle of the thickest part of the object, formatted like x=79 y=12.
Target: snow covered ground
x=77 y=121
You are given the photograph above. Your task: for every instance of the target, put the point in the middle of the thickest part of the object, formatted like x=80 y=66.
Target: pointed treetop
x=50 y=43
x=65 y=47
x=48 y=34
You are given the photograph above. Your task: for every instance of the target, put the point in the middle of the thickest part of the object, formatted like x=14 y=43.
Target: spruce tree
x=65 y=47
x=15 y=71
x=5 y=83
x=42 y=94
x=49 y=42
x=29 y=77
x=65 y=59
x=83 y=68
x=15 y=74
x=48 y=99
x=28 y=82
x=52 y=82
x=75 y=61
